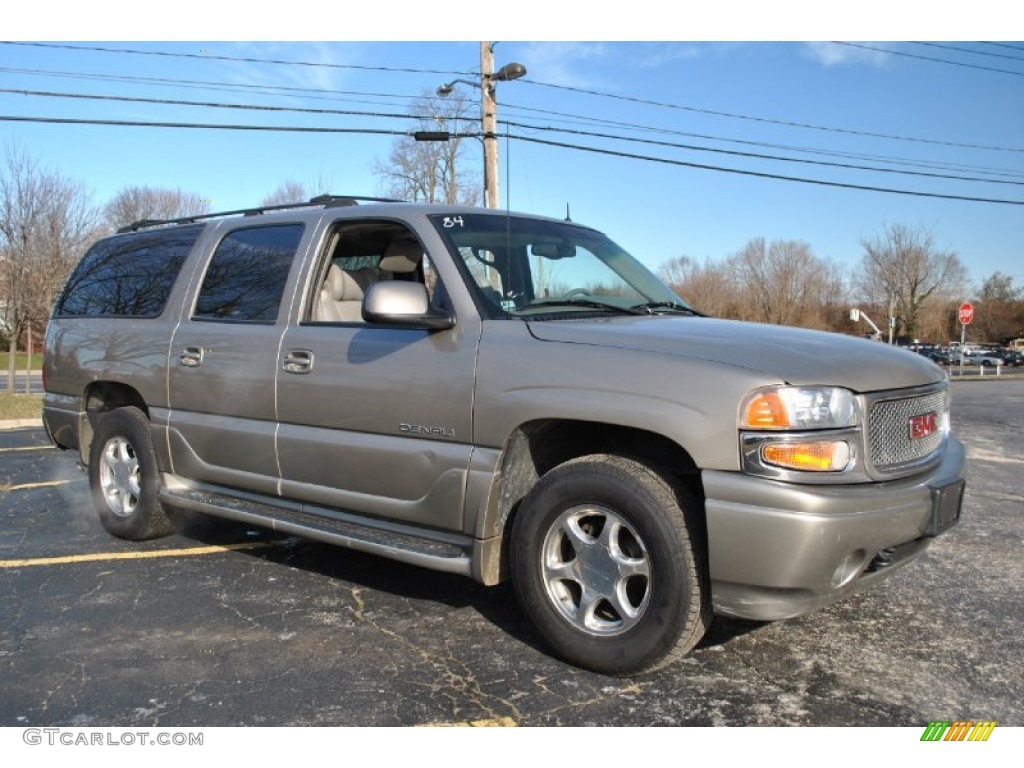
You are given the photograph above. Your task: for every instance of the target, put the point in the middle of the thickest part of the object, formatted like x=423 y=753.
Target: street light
x=488 y=113
x=511 y=71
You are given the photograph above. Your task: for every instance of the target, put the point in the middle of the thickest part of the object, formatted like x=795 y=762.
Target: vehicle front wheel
x=607 y=562
x=123 y=476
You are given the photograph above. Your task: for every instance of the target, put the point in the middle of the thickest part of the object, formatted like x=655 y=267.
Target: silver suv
x=500 y=396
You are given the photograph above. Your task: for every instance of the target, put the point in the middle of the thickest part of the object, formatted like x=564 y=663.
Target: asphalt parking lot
x=223 y=625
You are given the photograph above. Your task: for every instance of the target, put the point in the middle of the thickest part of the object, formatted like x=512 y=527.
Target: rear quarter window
x=127 y=276
x=247 y=274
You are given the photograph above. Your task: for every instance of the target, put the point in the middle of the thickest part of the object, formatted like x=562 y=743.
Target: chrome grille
x=890 y=444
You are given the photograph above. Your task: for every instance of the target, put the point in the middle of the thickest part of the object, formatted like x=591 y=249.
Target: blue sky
x=763 y=92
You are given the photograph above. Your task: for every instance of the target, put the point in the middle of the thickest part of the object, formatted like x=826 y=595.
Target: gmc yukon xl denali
x=499 y=396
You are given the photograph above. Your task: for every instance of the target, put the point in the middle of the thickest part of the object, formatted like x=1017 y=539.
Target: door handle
x=297 y=361
x=191 y=357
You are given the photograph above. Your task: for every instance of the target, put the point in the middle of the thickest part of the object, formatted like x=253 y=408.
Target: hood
x=792 y=355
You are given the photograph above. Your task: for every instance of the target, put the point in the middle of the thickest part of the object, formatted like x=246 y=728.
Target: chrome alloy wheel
x=120 y=477
x=596 y=570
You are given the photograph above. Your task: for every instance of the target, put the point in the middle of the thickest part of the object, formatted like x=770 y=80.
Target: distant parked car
x=983 y=359
x=941 y=357
x=1013 y=358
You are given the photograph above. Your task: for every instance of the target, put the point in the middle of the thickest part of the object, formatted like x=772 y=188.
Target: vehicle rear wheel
x=123 y=475
x=607 y=564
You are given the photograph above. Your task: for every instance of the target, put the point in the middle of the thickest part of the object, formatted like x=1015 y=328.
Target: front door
x=374 y=419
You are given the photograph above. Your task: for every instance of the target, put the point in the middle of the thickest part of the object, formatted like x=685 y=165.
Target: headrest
x=342 y=286
x=401 y=256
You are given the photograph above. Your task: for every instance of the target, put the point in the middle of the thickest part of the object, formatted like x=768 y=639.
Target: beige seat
x=340 y=299
x=401 y=256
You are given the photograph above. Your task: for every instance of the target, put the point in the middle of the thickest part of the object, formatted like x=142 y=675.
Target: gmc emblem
x=923 y=425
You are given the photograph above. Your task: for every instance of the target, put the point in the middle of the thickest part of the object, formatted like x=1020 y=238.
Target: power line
x=698 y=110
x=715 y=113
x=583 y=119
x=770 y=121
x=248 y=59
x=762 y=175
x=1011 y=46
x=274 y=90
x=215 y=85
x=970 y=50
x=758 y=156
x=930 y=58
x=222 y=126
x=216 y=105
x=405 y=116
x=528 y=139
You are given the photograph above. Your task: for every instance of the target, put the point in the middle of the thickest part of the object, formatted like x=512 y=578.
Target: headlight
x=798 y=408
x=787 y=432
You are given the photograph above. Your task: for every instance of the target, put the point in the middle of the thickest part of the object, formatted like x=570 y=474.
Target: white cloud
x=834 y=54
x=327 y=78
x=577 y=63
x=659 y=54
x=563 y=63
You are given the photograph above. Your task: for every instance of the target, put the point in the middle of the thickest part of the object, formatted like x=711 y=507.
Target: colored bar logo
x=959 y=730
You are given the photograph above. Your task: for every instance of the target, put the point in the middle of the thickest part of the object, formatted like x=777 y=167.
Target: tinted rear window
x=246 y=276
x=129 y=276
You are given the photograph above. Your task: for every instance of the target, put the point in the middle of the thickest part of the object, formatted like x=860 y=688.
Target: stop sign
x=966 y=313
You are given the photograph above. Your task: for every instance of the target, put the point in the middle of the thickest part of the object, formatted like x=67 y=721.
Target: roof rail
x=325 y=201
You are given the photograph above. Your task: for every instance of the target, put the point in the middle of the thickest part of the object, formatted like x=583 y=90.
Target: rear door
x=223 y=359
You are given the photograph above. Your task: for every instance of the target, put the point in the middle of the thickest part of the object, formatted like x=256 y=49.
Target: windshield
x=523 y=267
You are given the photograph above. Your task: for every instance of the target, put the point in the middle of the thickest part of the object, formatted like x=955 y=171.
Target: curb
x=20 y=423
x=1004 y=376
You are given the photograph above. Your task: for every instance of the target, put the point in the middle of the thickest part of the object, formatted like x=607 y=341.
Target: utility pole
x=489 y=123
x=488 y=114
x=892 y=317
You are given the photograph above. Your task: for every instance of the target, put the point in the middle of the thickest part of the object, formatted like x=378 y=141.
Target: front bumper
x=778 y=550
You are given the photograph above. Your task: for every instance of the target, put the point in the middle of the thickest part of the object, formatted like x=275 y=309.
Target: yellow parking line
x=491 y=722
x=101 y=556
x=26 y=486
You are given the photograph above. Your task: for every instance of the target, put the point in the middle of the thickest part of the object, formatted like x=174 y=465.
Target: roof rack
x=325 y=201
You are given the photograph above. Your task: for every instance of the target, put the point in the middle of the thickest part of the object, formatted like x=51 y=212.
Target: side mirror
x=407 y=304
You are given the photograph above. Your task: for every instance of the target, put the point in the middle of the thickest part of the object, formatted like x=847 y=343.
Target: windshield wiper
x=590 y=303
x=675 y=306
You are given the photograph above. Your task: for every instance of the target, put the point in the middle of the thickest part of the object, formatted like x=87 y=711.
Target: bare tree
x=707 y=287
x=292 y=191
x=999 y=308
x=134 y=204
x=785 y=283
x=289 y=191
x=432 y=171
x=903 y=269
x=46 y=221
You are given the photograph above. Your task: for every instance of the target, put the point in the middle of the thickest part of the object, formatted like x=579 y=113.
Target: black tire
x=124 y=476
x=613 y=526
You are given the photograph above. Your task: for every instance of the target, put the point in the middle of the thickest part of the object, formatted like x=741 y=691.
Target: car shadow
x=497 y=604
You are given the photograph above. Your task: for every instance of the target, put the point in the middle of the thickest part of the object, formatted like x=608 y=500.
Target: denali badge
x=419 y=429
x=923 y=425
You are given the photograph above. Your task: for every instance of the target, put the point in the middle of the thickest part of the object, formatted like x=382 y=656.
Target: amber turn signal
x=831 y=456
x=766 y=411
